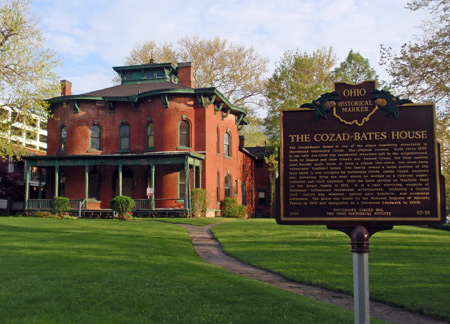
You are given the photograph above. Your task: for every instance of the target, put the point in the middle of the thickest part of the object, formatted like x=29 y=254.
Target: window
x=150 y=136
x=94 y=185
x=261 y=197
x=218 y=186
x=218 y=140
x=227 y=186
x=226 y=144
x=62 y=139
x=95 y=137
x=235 y=187
x=243 y=194
x=124 y=138
x=181 y=184
x=183 y=134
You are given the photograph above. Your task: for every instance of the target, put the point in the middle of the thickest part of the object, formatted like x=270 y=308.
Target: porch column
x=27 y=184
x=186 y=183
x=56 y=180
x=200 y=174
x=40 y=184
x=120 y=177
x=152 y=201
x=194 y=173
x=86 y=185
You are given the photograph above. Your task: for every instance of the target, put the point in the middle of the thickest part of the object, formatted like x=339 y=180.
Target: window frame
x=227 y=189
x=181 y=184
x=243 y=194
x=186 y=135
x=123 y=126
x=62 y=140
x=99 y=138
x=227 y=144
x=150 y=148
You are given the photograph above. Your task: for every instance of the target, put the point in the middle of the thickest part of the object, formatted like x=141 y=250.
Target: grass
x=192 y=221
x=408 y=266
x=106 y=271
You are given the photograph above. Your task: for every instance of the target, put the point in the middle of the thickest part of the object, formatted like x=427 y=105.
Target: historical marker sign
x=373 y=160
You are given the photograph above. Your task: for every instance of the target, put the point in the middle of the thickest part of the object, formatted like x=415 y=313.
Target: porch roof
x=147 y=158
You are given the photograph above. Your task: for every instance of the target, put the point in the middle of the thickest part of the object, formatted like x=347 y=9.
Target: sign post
x=360 y=160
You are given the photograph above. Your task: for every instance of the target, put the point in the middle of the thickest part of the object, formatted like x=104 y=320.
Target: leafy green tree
x=421 y=71
x=354 y=69
x=236 y=70
x=26 y=73
x=298 y=78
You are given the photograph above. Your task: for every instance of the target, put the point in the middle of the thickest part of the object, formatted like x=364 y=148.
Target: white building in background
x=34 y=138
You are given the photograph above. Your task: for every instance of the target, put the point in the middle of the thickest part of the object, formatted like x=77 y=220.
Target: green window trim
x=227 y=186
x=124 y=138
x=150 y=136
x=227 y=144
x=62 y=139
x=218 y=187
x=95 y=143
x=235 y=188
x=243 y=194
x=218 y=140
x=184 y=135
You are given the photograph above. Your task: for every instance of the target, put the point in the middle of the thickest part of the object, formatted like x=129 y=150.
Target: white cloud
x=102 y=33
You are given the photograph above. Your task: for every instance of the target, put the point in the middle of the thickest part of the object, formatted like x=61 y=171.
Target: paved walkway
x=210 y=250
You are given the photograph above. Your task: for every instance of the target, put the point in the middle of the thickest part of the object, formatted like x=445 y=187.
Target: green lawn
x=106 y=271
x=408 y=266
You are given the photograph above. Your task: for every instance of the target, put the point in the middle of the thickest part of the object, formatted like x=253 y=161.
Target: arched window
x=181 y=184
x=226 y=144
x=183 y=134
x=62 y=139
x=218 y=140
x=150 y=136
x=94 y=185
x=96 y=137
x=124 y=138
x=243 y=194
x=227 y=186
x=218 y=186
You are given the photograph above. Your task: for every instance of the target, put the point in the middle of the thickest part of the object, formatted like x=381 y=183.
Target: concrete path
x=210 y=250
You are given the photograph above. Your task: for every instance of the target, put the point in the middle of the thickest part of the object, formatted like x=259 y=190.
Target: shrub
x=123 y=205
x=61 y=206
x=231 y=208
x=199 y=204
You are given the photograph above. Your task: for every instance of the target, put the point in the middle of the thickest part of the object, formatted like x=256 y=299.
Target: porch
x=80 y=208
x=91 y=181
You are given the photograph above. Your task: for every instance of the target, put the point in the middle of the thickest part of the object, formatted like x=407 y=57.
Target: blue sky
x=92 y=36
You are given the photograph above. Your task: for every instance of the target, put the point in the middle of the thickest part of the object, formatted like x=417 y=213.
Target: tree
x=235 y=70
x=354 y=69
x=298 y=78
x=26 y=73
x=421 y=70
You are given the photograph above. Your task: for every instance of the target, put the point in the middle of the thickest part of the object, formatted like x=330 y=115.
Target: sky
x=92 y=36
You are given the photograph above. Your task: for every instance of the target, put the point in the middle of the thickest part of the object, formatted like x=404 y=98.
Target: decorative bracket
x=210 y=101
x=111 y=106
x=165 y=100
x=217 y=109
x=225 y=113
x=239 y=119
x=201 y=101
x=387 y=102
x=135 y=105
x=75 y=107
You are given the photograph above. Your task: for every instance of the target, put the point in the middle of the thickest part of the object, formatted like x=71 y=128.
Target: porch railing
x=40 y=203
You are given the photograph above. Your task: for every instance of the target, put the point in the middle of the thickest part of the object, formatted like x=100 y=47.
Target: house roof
x=126 y=90
x=259 y=152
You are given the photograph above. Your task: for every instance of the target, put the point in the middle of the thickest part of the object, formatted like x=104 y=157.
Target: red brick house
x=153 y=133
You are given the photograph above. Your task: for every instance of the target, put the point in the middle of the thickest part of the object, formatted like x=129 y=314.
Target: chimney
x=66 y=88
x=185 y=74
